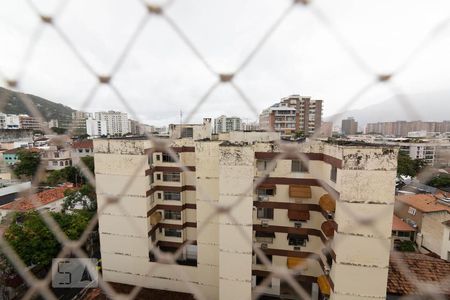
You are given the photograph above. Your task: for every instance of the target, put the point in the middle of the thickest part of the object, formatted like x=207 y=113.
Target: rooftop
x=427 y=269
x=424 y=202
x=84 y=144
x=399 y=225
x=43 y=198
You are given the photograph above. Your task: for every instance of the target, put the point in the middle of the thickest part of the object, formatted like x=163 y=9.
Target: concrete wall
x=432 y=230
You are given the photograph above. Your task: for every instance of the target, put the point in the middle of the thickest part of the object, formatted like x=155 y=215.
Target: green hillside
x=10 y=103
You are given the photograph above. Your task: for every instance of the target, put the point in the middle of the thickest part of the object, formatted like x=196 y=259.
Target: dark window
x=260 y=279
x=158 y=176
x=171 y=177
x=158 y=157
x=167 y=158
x=264 y=213
x=299 y=166
x=266 y=192
x=172 y=215
x=172 y=232
x=187 y=132
x=297 y=240
x=333 y=174
x=172 y=196
x=159 y=195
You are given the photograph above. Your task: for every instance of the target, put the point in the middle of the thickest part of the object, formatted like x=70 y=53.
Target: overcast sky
x=161 y=76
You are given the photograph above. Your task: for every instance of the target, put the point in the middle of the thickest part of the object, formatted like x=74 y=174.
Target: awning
x=299 y=191
x=296 y=262
x=298 y=215
x=266 y=186
x=324 y=285
x=329 y=227
x=155 y=218
x=327 y=203
x=265 y=234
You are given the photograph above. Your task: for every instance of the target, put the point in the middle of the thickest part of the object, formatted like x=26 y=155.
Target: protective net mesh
x=54 y=23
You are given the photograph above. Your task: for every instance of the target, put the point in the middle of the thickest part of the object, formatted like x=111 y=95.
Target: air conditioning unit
x=263 y=198
x=298 y=225
x=263 y=246
x=296 y=248
x=264 y=223
x=330 y=216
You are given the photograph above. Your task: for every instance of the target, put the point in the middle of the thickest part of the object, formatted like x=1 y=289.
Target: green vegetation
x=71 y=174
x=33 y=241
x=28 y=165
x=58 y=130
x=406 y=246
x=49 y=110
x=407 y=166
x=85 y=196
x=440 y=181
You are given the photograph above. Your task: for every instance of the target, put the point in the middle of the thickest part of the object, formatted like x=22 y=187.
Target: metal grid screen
x=150 y=11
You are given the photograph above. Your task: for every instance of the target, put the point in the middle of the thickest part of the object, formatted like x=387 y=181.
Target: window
x=266 y=192
x=167 y=158
x=264 y=213
x=172 y=232
x=172 y=215
x=172 y=196
x=158 y=176
x=333 y=174
x=264 y=237
x=159 y=195
x=61 y=163
x=412 y=211
x=158 y=157
x=297 y=240
x=263 y=165
x=55 y=163
x=171 y=177
x=80 y=150
x=187 y=132
x=299 y=166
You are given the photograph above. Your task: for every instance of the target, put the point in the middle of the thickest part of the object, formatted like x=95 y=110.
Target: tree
x=440 y=181
x=28 y=163
x=84 y=196
x=59 y=130
x=35 y=244
x=407 y=166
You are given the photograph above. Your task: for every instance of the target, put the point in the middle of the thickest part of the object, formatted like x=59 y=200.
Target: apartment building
x=402 y=128
x=293 y=114
x=78 y=122
x=349 y=126
x=27 y=122
x=116 y=122
x=56 y=158
x=434 y=152
x=191 y=131
x=303 y=216
x=8 y=121
x=226 y=124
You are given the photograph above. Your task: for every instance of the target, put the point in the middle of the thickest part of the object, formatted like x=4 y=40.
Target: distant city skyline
x=161 y=75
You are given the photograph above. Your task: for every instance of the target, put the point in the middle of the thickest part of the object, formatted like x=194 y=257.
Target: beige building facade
x=327 y=220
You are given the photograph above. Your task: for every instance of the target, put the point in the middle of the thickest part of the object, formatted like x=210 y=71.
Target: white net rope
x=52 y=22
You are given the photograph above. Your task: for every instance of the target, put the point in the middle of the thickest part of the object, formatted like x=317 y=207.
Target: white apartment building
x=8 y=121
x=96 y=128
x=116 y=122
x=303 y=216
x=227 y=124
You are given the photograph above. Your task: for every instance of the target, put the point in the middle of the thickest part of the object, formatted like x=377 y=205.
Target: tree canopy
x=32 y=240
x=407 y=166
x=28 y=163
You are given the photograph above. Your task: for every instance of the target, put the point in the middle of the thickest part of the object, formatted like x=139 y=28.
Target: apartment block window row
x=172 y=232
x=172 y=196
x=171 y=177
x=264 y=237
x=172 y=215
